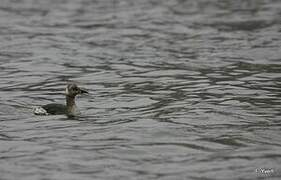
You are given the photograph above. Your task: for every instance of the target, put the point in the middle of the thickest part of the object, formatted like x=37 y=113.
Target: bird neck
x=70 y=104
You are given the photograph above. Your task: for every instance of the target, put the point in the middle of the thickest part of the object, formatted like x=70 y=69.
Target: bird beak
x=83 y=91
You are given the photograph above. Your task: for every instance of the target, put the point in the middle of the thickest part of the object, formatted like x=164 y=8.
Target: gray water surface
x=178 y=89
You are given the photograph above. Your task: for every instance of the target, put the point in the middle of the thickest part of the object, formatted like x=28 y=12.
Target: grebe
x=70 y=109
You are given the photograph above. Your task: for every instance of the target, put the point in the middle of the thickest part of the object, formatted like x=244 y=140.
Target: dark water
x=179 y=89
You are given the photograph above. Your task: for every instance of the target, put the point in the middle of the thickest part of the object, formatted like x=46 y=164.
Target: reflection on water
x=179 y=89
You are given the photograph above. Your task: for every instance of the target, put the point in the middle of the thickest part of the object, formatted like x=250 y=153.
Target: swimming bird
x=69 y=109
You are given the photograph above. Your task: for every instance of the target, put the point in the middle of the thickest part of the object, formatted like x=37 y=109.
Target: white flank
x=39 y=111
